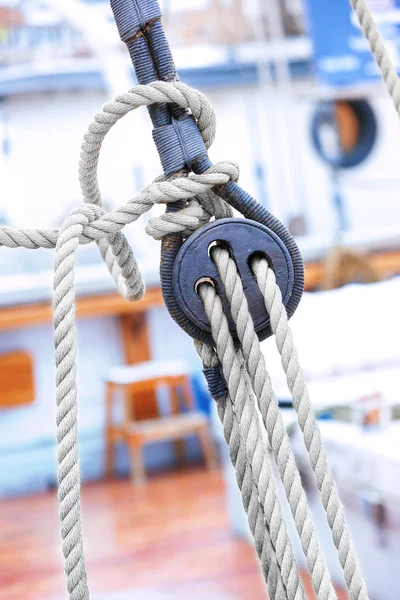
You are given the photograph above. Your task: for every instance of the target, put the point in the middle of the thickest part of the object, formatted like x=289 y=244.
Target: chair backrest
x=16 y=379
x=172 y=383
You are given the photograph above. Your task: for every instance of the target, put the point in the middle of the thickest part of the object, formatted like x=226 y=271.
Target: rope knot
x=200 y=208
x=85 y=222
x=79 y=217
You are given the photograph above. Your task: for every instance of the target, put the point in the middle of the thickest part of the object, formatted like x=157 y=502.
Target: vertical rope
x=255 y=495
x=309 y=427
x=67 y=409
x=273 y=421
x=378 y=49
x=250 y=459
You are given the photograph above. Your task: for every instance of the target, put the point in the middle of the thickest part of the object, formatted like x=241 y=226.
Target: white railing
x=23 y=45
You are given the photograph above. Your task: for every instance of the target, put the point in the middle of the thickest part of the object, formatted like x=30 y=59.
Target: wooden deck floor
x=170 y=539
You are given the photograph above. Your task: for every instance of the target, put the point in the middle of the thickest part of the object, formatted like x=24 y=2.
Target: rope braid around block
x=235 y=369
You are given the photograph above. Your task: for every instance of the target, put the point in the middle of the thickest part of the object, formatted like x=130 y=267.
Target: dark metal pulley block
x=193 y=264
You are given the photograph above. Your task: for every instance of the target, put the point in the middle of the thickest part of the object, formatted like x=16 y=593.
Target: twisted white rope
x=250 y=458
x=66 y=398
x=269 y=410
x=240 y=424
x=272 y=418
x=309 y=427
x=378 y=49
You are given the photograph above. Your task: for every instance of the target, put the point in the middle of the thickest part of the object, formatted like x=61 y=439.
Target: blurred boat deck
x=169 y=539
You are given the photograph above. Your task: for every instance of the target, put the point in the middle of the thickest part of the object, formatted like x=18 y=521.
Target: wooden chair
x=143 y=378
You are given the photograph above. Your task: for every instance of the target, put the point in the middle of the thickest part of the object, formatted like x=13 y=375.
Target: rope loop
x=158 y=92
x=192 y=188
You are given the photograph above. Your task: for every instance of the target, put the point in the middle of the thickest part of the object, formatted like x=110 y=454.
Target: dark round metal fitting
x=244 y=239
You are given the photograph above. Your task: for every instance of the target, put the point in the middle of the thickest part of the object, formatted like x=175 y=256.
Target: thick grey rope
x=172 y=190
x=250 y=457
x=66 y=398
x=254 y=484
x=273 y=421
x=66 y=390
x=308 y=424
x=378 y=49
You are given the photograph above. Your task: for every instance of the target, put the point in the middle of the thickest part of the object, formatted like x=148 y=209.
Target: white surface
x=364 y=459
x=347 y=341
x=349 y=387
x=366 y=465
x=147 y=370
x=24 y=288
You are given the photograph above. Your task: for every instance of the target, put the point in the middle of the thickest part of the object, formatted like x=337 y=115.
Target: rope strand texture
x=309 y=427
x=273 y=421
x=378 y=49
x=66 y=398
x=250 y=458
x=255 y=491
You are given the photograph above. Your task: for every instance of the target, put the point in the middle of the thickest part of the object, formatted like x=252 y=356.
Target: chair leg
x=138 y=473
x=109 y=440
x=179 y=447
x=109 y=457
x=208 y=448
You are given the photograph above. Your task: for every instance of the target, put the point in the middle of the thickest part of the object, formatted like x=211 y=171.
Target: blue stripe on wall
x=210 y=77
